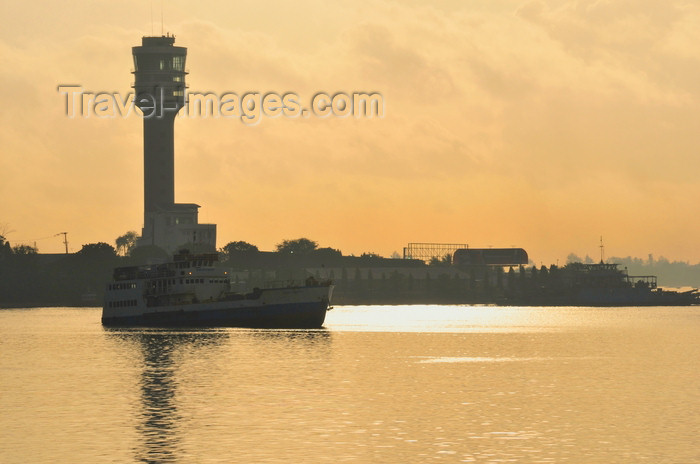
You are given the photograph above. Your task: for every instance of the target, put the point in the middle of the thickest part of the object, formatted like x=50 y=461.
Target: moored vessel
x=602 y=284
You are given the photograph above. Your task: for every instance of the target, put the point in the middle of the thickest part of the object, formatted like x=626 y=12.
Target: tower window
x=179 y=63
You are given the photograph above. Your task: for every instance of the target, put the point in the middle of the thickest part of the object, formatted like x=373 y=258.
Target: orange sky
x=536 y=124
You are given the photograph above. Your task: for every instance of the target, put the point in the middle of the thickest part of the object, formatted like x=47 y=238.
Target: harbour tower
x=159 y=85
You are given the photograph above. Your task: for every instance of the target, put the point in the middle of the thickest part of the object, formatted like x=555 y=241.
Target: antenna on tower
x=601 y=250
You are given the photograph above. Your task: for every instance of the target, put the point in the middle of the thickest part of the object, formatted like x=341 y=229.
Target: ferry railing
x=649 y=281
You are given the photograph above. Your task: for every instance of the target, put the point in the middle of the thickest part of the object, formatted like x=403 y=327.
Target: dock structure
x=427 y=251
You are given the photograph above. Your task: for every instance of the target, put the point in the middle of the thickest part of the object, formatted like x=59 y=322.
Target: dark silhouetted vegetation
x=125 y=243
x=299 y=246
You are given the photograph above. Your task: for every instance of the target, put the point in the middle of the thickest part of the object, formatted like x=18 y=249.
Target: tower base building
x=176 y=228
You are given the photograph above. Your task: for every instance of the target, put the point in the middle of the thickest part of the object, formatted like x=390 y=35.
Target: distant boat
x=191 y=292
x=601 y=284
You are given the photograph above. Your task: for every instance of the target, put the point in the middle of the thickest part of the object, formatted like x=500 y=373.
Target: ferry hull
x=310 y=315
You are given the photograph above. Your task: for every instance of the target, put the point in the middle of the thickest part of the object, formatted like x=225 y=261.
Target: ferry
x=191 y=291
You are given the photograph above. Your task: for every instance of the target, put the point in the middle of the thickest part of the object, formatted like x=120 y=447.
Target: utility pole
x=65 y=239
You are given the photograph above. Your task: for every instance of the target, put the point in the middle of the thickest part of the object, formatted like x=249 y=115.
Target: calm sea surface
x=381 y=384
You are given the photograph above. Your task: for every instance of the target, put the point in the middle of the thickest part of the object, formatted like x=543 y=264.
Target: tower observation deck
x=159 y=84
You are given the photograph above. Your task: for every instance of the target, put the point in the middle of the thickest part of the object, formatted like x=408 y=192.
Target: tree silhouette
x=237 y=250
x=238 y=246
x=98 y=251
x=297 y=246
x=5 y=249
x=24 y=250
x=125 y=243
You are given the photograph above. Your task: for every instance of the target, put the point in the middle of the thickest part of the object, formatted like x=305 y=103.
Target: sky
x=536 y=124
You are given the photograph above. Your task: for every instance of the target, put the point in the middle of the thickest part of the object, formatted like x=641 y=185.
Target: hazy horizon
x=536 y=124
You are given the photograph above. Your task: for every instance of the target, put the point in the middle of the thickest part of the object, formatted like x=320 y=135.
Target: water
x=401 y=384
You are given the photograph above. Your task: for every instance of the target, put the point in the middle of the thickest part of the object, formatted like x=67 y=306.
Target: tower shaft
x=159 y=71
x=158 y=163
